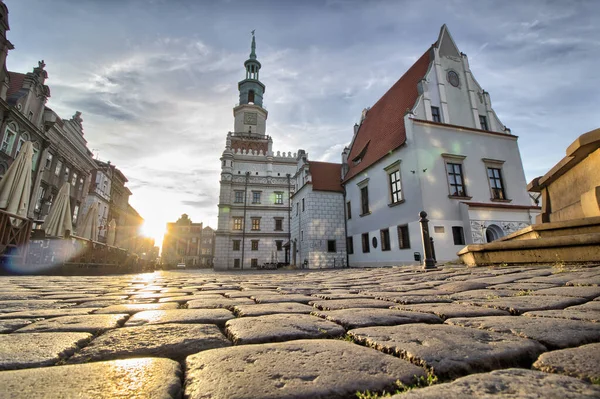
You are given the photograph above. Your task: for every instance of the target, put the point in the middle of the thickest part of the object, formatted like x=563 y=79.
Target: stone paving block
x=319 y=369
x=411 y=299
x=553 y=333
x=47 y=313
x=271 y=308
x=521 y=286
x=228 y=303
x=9 y=325
x=280 y=327
x=100 y=304
x=175 y=341
x=483 y=294
x=461 y=286
x=520 y=304
x=136 y=307
x=95 y=298
x=335 y=304
x=508 y=384
x=451 y=351
x=448 y=310
x=591 y=280
x=6 y=295
x=345 y=295
x=33 y=304
x=187 y=298
x=131 y=378
x=196 y=316
x=568 y=313
x=74 y=296
x=19 y=351
x=82 y=323
x=249 y=293
x=274 y=298
x=591 y=305
x=362 y=317
x=582 y=362
x=590 y=292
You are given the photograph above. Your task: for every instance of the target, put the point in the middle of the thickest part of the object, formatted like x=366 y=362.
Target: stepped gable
x=326 y=176
x=383 y=128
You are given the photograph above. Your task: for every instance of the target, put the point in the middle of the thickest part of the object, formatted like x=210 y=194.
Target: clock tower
x=249 y=114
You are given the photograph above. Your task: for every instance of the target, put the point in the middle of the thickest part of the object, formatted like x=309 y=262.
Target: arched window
x=251 y=96
x=9 y=137
x=24 y=137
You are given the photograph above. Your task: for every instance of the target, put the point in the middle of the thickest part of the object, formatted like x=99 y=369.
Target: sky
x=156 y=80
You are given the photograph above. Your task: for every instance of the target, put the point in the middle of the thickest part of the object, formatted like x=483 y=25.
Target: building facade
x=432 y=142
x=318 y=237
x=255 y=185
x=182 y=243
x=207 y=248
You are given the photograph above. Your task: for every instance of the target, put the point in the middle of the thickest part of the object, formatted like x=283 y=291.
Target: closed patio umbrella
x=89 y=227
x=59 y=219
x=111 y=233
x=15 y=186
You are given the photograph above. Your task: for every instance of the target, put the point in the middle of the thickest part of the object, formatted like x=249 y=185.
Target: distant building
x=255 y=186
x=182 y=243
x=207 y=248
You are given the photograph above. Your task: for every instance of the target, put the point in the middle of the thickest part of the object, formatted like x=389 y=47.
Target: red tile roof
x=326 y=176
x=16 y=82
x=383 y=129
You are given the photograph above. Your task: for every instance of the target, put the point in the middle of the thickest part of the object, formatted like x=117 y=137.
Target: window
x=239 y=197
x=278 y=224
x=75 y=213
x=395 y=187
x=81 y=183
x=349 y=245
x=365 y=243
x=496 y=185
x=297 y=208
x=403 y=237
x=238 y=223
x=302 y=204
x=458 y=235
x=456 y=180
x=251 y=96
x=74 y=179
x=385 y=239
x=483 y=122
x=24 y=137
x=58 y=168
x=67 y=171
x=278 y=198
x=254 y=262
x=236 y=245
x=48 y=161
x=255 y=223
x=279 y=245
x=236 y=263
x=301 y=235
x=30 y=116
x=348 y=210
x=254 y=246
x=256 y=197
x=331 y=246
x=364 y=200
x=9 y=137
x=435 y=114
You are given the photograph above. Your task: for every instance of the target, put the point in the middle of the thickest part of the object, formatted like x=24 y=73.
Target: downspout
x=244 y=219
x=346 y=228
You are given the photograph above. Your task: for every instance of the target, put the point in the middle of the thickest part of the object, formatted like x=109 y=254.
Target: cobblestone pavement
x=503 y=332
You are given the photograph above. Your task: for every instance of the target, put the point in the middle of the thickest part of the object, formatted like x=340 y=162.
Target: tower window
x=251 y=96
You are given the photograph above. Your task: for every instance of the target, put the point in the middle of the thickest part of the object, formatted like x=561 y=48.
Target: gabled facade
x=318 y=238
x=182 y=242
x=255 y=187
x=432 y=142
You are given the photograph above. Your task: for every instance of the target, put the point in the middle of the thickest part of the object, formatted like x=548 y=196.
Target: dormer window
x=357 y=159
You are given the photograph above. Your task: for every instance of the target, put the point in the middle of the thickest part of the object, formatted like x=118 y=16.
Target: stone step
x=577 y=248
x=556 y=229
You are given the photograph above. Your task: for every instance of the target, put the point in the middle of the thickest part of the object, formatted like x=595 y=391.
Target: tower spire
x=253 y=47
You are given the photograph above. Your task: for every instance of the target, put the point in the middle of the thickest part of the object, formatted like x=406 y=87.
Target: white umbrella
x=111 y=233
x=89 y=227
x=59 y=218
x=15 y=186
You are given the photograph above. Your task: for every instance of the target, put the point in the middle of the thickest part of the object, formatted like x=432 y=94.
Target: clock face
x=250 y=118
x=453 y=78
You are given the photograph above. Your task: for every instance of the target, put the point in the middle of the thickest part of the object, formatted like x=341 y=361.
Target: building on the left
x=60 y=152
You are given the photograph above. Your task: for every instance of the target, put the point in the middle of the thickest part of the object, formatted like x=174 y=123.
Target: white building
x=255 y=186
x=318 y=230
x=433 y=143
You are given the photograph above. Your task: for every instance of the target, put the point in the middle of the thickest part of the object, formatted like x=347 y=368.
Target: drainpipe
x=346 y=229
x=244 y=219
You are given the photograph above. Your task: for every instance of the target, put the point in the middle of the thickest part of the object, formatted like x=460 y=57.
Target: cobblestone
x=365 y=328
